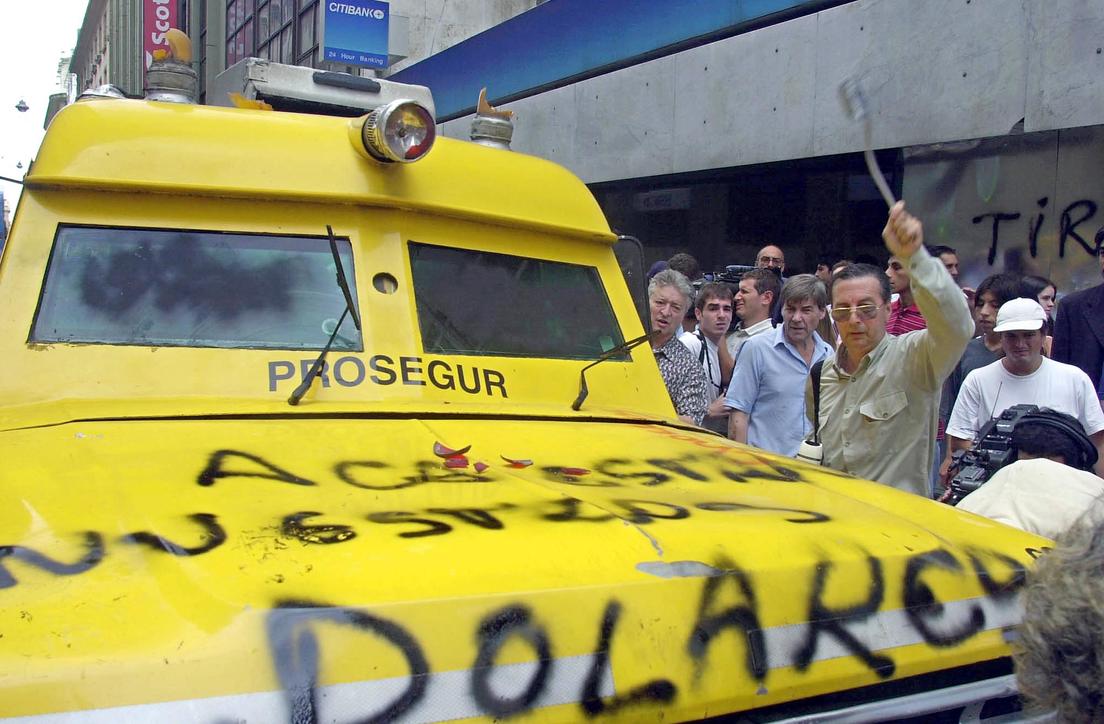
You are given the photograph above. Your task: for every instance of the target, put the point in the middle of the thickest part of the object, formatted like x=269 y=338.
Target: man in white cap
x=1023 y=376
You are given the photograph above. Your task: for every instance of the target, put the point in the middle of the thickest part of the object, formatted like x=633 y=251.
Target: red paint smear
x=456 y=461
x=574 y=471
x=480 y=467
x=443 y=451
x=517 y=463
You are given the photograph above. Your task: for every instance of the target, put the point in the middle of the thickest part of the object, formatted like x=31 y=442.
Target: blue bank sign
x=355 y=32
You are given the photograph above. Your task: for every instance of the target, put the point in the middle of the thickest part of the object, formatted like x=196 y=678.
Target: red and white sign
x=157 y=17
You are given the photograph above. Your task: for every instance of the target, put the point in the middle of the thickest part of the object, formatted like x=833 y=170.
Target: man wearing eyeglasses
x=771 y=257
x=880 y=393
x=1079 y=328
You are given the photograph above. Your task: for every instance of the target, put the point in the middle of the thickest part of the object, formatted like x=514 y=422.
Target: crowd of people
x=895 y=371
x=898 y=374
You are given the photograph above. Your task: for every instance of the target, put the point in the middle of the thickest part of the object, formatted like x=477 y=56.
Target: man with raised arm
x=880 y=393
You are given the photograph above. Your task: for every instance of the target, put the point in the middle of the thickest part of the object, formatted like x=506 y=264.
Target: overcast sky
x=33 y=37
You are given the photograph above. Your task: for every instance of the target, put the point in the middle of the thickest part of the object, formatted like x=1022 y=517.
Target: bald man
x=771 y=257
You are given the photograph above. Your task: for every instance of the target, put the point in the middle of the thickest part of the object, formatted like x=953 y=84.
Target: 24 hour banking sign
x=355 y=32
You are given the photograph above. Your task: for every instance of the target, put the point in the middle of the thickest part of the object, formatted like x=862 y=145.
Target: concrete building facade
x=984 y=113
x=716 y=128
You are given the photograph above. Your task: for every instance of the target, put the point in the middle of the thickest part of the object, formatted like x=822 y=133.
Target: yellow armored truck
x=294 y=428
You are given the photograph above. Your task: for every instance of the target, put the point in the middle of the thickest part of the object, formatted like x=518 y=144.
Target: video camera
x=732 y=275
x=995 y=447
x=992 y=452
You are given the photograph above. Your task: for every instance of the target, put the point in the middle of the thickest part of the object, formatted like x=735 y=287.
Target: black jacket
x=1079 y=332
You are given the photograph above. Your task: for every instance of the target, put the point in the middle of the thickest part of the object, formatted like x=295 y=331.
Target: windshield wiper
x=613 y=352
x=350 y=308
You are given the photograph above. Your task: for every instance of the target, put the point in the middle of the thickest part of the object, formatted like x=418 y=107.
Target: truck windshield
x=193 y=289
x=480 y=303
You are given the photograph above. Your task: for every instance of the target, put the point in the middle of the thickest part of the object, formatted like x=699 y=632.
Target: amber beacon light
x=402 y=130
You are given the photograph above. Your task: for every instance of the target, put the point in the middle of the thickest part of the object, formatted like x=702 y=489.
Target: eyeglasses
x=865 y=311
x=772 y=260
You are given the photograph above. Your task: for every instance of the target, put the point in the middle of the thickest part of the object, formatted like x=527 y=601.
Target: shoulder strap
x=703 y=350
x=818 y=367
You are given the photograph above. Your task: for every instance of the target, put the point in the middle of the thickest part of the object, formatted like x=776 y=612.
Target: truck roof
x=229 y=152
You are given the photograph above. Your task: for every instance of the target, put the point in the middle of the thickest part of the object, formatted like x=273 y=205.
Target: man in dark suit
x=1079 y=328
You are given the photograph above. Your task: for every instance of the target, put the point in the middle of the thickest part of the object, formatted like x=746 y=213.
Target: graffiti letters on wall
x=1030 y=203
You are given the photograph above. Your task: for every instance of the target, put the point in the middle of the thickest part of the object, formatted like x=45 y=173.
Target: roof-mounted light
x=402 y=131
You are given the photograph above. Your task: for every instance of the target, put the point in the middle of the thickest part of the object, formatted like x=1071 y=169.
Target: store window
x=283 y=31
x=239 y=30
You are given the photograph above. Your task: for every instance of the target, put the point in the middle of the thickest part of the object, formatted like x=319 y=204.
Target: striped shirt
x=904 y=319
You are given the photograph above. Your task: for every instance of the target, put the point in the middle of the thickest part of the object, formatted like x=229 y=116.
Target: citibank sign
x=354 y=32
x=374 y=13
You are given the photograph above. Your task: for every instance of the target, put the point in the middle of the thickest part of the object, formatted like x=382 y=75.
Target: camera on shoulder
x=998 y=446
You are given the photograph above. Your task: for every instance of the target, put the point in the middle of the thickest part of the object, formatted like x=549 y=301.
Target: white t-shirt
x=1039 y=496
x=710 y=361
x=990 y=390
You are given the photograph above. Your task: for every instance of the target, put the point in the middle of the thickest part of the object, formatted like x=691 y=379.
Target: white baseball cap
x=1020 y=315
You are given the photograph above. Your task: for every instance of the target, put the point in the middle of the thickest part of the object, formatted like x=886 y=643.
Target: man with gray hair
x=669 y=295
x=767 y=392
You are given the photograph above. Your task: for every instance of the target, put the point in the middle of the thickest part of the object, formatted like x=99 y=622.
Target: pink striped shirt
x=904 y=319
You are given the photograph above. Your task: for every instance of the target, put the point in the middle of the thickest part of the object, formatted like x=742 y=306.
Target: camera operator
x=1049 y=485
x=1023 y=376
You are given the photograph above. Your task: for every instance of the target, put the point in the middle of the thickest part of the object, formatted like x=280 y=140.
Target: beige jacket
x=880 y=422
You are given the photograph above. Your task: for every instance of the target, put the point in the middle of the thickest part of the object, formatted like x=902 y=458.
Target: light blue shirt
x=768 y=384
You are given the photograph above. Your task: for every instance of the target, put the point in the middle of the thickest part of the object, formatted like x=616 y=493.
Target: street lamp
x=22 y=106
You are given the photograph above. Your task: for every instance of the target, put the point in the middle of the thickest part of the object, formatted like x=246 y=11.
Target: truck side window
x=168 y=287
x=480 y=303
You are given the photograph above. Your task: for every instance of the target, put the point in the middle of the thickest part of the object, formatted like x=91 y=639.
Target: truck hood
x=422 y=569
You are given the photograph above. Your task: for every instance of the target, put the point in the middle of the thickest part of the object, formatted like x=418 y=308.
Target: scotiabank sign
x=157 y=17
